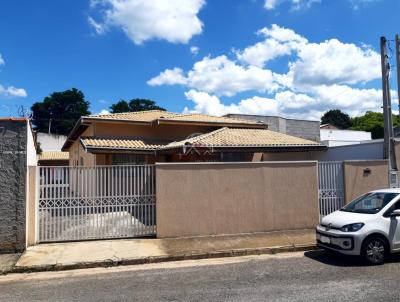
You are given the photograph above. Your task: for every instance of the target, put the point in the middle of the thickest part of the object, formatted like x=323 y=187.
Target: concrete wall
x=363 y=176
x=51 y=142
x=230 y=198
x=300 y=128
x=13 y=160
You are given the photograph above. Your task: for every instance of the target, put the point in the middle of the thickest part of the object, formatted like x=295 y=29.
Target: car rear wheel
x=374 y=250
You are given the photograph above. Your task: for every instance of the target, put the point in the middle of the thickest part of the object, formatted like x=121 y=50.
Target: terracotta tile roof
x=224 y=137
x=154 y=115
x=53 y=155
x=121 y=143
x=196 y=117
x=139 y=116
x=231 y=137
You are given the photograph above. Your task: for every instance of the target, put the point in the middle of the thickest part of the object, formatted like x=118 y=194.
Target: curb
x=159 y=259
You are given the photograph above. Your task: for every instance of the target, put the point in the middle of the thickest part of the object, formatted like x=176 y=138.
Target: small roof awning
x=53 y=155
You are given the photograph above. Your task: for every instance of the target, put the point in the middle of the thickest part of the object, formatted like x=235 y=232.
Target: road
x=310 y=276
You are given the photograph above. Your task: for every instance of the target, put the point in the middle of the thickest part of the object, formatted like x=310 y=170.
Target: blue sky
x=295 y=58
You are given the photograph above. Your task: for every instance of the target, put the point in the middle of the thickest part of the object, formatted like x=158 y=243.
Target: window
x=370 y=203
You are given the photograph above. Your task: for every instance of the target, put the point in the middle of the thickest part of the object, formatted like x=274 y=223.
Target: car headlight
x=354 y=227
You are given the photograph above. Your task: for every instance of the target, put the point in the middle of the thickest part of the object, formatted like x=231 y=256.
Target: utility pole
x=387 y=110
x=398 y=68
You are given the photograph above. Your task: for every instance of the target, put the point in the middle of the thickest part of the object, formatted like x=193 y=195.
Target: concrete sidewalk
x=74 y=255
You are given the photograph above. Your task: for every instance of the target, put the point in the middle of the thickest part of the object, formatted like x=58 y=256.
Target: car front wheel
x=374 y=250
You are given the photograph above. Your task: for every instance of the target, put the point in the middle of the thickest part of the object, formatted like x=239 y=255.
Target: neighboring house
x=51 y=154
x=17 y=152
x=158 y=136
x=301 y=128
x=333 y=137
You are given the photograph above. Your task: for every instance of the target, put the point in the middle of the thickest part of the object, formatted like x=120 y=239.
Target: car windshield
x=370 y=203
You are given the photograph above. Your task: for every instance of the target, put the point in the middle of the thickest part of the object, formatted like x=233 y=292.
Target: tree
x=336 y=118
x=372 y=122
x=134 y=105
x=121 y=106
x=59 y=112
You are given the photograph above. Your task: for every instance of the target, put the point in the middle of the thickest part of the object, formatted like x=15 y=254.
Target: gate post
x=32 y=206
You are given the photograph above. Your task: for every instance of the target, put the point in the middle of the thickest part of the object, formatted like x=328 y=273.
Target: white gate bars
x=330 y=187
x=80 y=203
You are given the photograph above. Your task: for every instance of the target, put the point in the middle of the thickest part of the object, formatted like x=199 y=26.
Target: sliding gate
x=80 y=203
x=330 y=187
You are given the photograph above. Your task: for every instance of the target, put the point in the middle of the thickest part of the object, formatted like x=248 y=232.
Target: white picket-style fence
x=80 y=203
x=330 y=187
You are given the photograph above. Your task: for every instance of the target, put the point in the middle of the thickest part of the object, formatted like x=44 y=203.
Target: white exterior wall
x=31 y=157
x=51 y=142
x=336 y=137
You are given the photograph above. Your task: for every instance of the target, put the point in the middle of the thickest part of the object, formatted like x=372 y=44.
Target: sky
x=293 y=58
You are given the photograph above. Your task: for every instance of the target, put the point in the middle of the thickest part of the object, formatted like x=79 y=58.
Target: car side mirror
x=395 y=213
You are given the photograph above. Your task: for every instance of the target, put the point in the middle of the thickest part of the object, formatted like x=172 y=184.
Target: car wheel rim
x=375 y=251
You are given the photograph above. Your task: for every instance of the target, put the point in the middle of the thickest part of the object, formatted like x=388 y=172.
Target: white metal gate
x=330 y=187
x=80 y=203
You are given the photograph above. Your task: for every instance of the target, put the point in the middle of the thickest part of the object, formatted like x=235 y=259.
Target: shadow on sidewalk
x=337 y=259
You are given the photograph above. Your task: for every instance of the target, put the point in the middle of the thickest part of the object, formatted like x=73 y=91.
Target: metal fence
x=330 y=187
x=80 y=203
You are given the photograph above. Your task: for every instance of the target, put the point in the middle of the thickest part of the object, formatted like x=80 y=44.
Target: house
x=158 y=136
x=17 y=152
x=51 y=154
x=333 y=137
x=306 y=129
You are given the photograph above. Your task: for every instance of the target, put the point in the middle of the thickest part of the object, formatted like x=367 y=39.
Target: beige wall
x=76 y=151
x=210 y=199
x=31 y=206
x=358 y=181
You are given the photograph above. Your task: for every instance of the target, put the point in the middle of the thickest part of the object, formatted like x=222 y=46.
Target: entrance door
x=330 y=187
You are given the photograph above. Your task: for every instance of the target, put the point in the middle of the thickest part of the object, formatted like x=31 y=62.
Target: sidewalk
x=75 y=255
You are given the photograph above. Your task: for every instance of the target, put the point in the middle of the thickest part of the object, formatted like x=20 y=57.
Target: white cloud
x=290 y=104
x=194 y=50
x=98 y=27
x=12 y=91
x=333 y=62
x=169 y=77
x=279 y=41
x=104 y=111
x=320 y=76
x=295 y=4
x=302 y=4
x=219 y=75
x=211 y=104
x=175 y=21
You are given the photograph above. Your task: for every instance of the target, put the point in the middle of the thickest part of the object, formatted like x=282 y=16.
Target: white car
x=368 y=226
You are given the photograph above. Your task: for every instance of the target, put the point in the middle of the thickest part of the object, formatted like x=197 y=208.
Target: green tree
x=336 y=118
x=372 y=122
x=120 y=106
x=59 y=111
x=134 y=105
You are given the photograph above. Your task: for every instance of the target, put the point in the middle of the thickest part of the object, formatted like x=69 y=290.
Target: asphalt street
x=310 y=276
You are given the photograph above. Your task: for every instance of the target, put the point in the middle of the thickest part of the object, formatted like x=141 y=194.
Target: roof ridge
x=131 y=112
x=202 y=136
